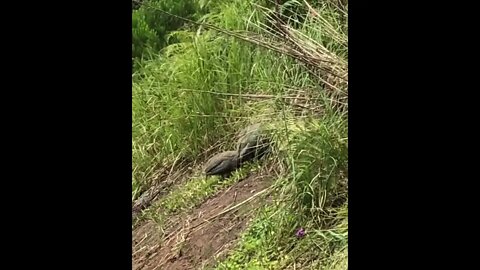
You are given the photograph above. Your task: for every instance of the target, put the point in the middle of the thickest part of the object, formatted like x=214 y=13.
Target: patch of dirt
x=146 y=238
x=195 y=239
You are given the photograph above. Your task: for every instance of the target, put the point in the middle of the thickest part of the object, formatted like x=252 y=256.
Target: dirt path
x=194 y=239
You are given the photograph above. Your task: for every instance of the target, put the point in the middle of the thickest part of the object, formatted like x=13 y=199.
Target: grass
x=197 y=190
x=239 y=69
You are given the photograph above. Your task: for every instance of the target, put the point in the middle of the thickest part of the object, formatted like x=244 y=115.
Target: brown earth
x=196 y=239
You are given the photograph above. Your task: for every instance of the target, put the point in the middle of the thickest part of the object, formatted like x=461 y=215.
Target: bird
x=252 y=143
x=222 y=164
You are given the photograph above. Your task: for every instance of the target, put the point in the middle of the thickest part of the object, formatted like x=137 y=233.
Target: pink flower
x=300 y=232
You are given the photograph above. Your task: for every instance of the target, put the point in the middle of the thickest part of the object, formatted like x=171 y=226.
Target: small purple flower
x=300 y=232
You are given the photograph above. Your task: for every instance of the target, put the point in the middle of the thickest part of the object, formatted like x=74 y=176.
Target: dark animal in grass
x=222 y=164
x=253 y=143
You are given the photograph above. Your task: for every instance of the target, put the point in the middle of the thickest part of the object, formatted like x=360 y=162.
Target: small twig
x=144 y=237
x=142 y=248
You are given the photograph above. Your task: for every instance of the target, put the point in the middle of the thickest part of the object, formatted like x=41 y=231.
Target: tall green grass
x=179 y=102
x=151 y=26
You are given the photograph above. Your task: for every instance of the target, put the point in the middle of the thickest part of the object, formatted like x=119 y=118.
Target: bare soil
x=197 y=238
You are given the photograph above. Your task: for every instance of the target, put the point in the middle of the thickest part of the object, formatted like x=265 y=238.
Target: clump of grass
x=262 y=247
x=197 y=190
x=256 y=250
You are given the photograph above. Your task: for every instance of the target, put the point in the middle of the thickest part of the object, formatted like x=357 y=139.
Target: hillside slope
x=241 y=63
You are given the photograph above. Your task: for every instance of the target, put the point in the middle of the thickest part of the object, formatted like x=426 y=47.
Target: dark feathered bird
x=253 y=143
x=222 y=164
